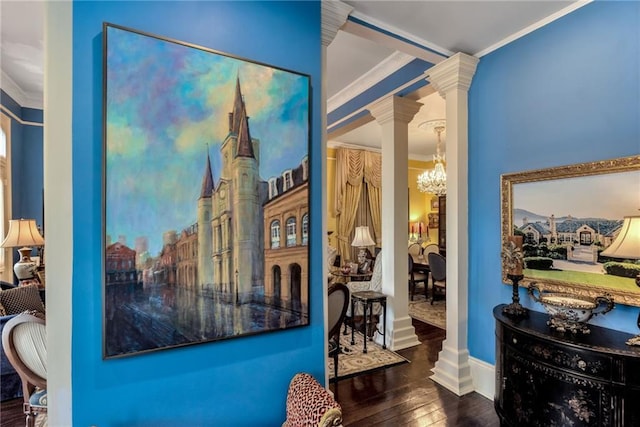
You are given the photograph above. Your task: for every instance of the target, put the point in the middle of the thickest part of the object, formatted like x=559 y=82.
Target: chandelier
x=435 y=180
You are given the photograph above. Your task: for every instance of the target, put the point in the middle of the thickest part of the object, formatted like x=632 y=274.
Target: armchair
x=310 y=404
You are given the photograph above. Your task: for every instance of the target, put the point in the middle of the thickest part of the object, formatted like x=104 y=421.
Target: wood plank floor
x=399 y=396
x=404 y=395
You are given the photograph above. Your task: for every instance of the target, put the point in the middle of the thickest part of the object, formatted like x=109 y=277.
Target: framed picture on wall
x=434 y=203
x=206 y=213
x=433 y=220
x=568 y=217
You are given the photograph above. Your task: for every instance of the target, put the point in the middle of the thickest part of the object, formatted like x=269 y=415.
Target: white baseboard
x=483 y=375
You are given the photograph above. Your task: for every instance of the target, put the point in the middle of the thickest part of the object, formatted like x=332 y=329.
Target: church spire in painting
x=239 y=124
x=207 y=179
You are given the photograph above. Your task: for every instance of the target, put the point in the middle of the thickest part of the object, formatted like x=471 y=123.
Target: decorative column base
x=452 y=370
x=400 y=335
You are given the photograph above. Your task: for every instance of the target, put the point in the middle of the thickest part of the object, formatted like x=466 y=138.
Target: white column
x=334 y=15
x=452 y=78
x=58 y=183
x=394 y=114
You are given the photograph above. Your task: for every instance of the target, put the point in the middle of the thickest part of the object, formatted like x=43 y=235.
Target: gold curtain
x=353 y=168
x=373 y=178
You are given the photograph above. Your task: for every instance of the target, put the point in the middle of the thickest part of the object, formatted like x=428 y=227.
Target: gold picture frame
x=554 y=192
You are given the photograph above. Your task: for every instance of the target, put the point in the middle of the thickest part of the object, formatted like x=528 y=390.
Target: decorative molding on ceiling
x=390 y=65
x=334 y=15
x=531 y=28
x=333 y=126
x=9 y=113
x=28 y=100
x=399 y=33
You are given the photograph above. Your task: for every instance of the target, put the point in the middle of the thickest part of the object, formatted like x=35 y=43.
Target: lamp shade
x=22 y=232
x=362 y=237
x=627 y=244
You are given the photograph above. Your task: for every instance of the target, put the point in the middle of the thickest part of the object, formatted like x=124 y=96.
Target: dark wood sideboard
x=547 y=378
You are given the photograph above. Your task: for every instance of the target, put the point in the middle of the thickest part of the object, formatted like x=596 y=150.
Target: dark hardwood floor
x=11 y=413
x=404 y=395
x=399 y=396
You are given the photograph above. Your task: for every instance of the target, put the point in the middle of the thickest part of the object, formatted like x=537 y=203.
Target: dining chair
x=431 y=247
x=338 y=301
x=24 y=342
x=438 y=267
x=415 y=249
x=417 y=276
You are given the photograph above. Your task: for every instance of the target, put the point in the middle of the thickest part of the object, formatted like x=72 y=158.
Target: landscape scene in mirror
x=206 y=196
x=567 y=223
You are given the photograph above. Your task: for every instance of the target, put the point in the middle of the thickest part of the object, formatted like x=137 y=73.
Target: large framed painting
x=206 y=195
x=568 y=216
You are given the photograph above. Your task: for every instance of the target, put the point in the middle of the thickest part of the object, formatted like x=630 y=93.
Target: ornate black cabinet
x=546 y=378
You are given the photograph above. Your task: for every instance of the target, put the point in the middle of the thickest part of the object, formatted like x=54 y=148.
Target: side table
x=367 y=299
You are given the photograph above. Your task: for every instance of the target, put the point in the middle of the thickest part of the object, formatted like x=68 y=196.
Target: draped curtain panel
x=353 y=168
x=373 y=178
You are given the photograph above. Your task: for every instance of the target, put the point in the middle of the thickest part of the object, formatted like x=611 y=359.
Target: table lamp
x=23 y=233
x=362 y=239
x=627 y=246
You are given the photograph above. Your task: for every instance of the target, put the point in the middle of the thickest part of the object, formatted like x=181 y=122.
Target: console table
x=549 y=378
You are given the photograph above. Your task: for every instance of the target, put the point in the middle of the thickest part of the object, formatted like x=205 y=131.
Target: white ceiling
x=476 y=27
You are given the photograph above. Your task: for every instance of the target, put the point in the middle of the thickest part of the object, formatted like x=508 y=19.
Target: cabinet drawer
x=583 y=362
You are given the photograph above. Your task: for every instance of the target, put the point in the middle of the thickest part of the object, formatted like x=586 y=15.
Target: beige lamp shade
x=627 y=244
x=22 y=232
x=362 y=237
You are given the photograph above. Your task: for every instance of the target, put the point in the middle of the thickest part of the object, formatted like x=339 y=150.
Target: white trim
x=382 y=25
x=384 y=69
x=483 y=375
x=380 y=98
x=28 y=100
x=531 y=28
x=452 y=370
x=9 y=113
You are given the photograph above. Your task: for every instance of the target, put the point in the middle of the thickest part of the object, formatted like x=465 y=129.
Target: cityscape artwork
x=206 y=195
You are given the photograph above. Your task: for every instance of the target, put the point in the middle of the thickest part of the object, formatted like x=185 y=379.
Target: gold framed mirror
x=567 y=216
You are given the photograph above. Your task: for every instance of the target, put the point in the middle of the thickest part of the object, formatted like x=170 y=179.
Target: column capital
x=394 y=108
x=334 y=15
x=454 y=72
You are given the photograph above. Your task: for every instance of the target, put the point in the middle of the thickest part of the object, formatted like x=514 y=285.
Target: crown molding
x=399 y=33
x=334 y=15
x=531 y=28
x=24 y=99
x=384 y=69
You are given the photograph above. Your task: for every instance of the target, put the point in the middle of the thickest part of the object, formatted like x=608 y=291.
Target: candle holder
x=515 y=309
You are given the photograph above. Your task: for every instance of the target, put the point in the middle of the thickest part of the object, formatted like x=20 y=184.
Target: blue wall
x=567 y=93
x=234 y=382
x=26 y=160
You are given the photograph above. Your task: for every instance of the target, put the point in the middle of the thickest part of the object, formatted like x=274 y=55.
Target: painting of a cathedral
x=215 y=202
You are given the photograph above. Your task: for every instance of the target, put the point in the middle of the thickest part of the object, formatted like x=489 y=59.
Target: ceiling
x=475 y=27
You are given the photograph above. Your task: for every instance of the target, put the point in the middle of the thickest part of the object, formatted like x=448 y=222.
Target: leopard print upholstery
x=310 y=404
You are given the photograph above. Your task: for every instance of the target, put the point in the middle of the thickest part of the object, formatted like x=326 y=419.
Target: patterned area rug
x=352 y=361
x=422 y=310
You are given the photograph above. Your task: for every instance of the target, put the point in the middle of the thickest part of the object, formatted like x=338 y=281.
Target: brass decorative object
x=570 y=313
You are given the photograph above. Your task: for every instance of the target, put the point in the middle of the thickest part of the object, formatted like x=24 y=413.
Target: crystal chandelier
x=435 y=180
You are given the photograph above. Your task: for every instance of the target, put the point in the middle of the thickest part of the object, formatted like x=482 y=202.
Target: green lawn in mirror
x=585 y=278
